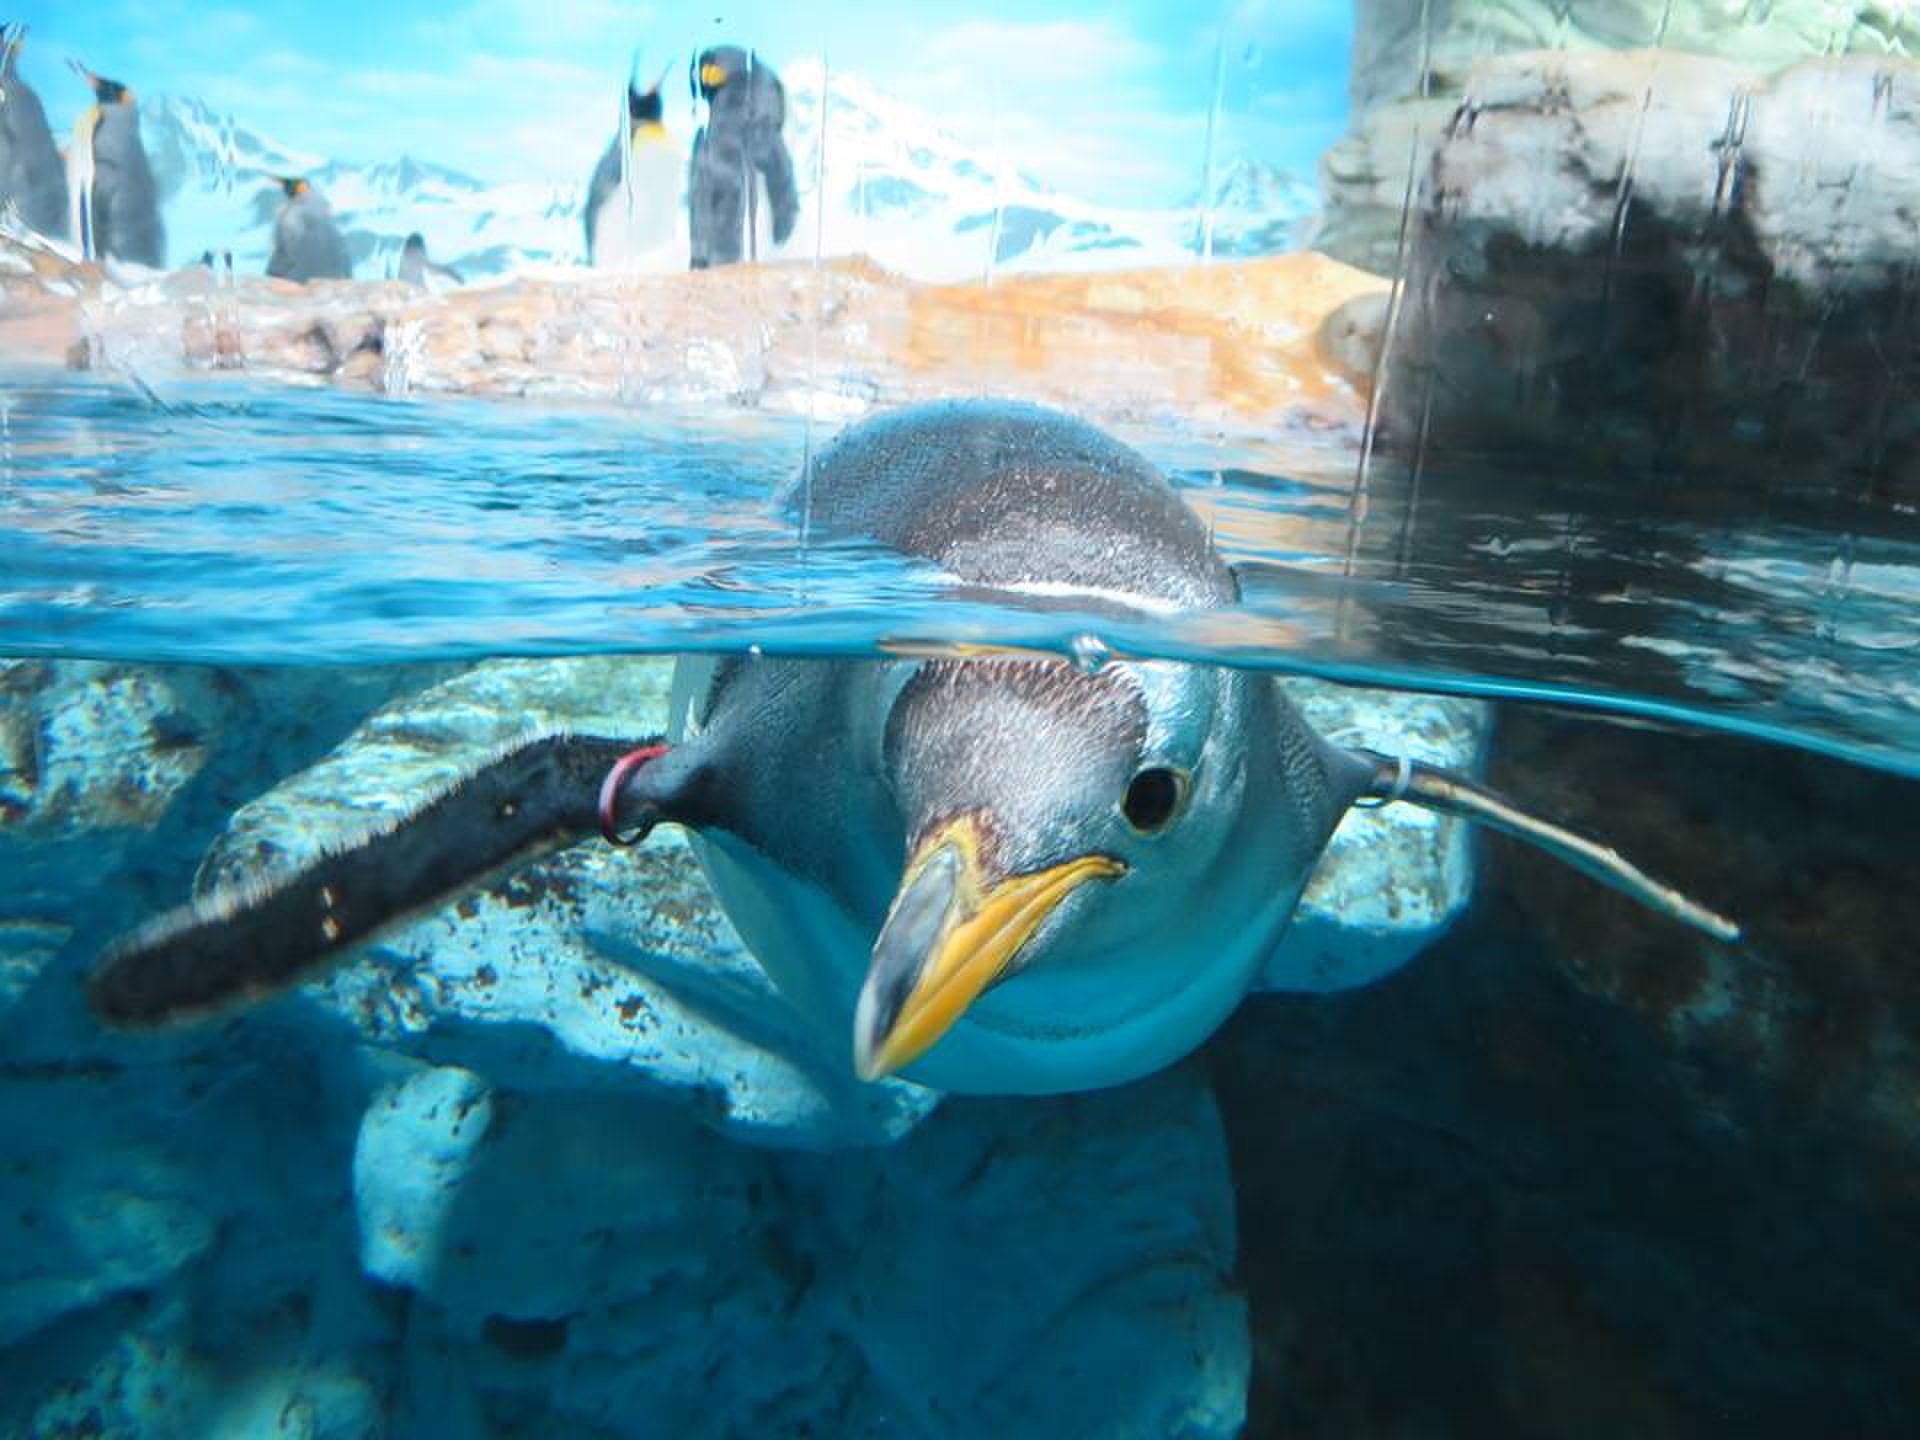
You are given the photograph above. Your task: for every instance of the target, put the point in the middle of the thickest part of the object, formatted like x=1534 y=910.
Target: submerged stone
x=1394 y=877
x=609 y=1266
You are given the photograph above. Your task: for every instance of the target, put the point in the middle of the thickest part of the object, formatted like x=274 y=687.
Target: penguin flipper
x=1449 y=792
x=783 y=195
x=251 y=940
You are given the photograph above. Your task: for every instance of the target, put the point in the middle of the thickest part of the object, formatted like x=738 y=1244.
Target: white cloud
x=1074 y=102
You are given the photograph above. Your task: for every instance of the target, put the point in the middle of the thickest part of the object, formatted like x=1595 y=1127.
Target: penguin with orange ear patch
x=307 y=245
x=115 y=203
x=741 y=199
x=31 y=178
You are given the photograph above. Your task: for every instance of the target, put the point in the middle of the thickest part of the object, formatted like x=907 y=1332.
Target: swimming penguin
x=115 y=204
x=307 y=245
x=633 y=214
x=1002 y=874
x=741 y=200
x=31 y=176
x=420 y=272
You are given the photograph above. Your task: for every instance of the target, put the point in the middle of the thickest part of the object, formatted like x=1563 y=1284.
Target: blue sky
x=1108 y=102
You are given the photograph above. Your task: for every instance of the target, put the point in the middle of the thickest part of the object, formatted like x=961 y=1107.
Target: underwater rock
x=1659 y=1185
x=92 y=1207
x=609 y=1266
x=1032 y=1267
x=176 y=1244
x=109 y=771
x=87 y=745
x=416 y=1144
x=1393 y=877
x=1653 y=262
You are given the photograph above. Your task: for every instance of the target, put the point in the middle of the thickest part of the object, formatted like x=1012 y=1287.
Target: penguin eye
x=1154 y=797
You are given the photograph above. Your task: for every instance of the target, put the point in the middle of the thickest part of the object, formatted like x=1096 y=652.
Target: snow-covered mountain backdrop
x=889 y=182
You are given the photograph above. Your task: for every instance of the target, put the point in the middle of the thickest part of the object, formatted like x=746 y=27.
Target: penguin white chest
x=80 y=223
x=642 y=227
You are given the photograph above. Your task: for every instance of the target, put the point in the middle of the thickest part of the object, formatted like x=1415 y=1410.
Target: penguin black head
x=644 y=107
x=293 y=185
x=1048 y=813
x=414 y=244
x=715 y=68
x=105 y=91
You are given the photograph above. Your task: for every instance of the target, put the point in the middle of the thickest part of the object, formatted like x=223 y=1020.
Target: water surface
x=228 y=523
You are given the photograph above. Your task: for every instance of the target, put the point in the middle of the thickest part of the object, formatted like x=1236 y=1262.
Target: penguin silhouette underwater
x=997 y=875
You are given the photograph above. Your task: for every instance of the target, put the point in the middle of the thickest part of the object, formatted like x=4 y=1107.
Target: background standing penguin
x=633 y=214
x=115 y=204
x=420 y=272
x=307 y=245
x=741 y=200
x=31 y=177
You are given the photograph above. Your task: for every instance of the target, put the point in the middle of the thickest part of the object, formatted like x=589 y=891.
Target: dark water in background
x=229 y=524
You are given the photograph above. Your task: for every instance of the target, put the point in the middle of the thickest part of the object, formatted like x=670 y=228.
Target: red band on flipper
x=621 y=771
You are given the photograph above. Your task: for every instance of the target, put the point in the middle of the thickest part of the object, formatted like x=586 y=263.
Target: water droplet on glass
x=1208 y=198
x=1090 y=652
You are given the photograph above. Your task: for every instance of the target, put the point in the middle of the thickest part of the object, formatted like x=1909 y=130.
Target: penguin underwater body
x=741 y=197
x=115 y=201
x=31 y=176
x=998 y=875
x=633 y=215
x=307 y=244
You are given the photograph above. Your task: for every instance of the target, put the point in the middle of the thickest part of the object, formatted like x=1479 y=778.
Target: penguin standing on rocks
x=741 y=199
x=115 y=204
x=633 y=213
x=307 y=245
x=419 y=271
x=32 y=179
x=1009 y=874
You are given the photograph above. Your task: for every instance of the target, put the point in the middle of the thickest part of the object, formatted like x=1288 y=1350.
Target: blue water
x=222 y=522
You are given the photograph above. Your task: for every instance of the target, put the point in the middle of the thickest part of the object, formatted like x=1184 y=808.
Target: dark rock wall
x=1575 y=1173
x=1664 y=266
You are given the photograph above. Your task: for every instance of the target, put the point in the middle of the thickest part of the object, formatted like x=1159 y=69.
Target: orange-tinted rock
x=1234 y=344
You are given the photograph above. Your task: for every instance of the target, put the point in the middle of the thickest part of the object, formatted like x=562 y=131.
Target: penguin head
x=414 y=244
x=13 y=34
x=715 y=68
x=644 y=106
x=1058 y=822
x=105 y=91
x=293 y=186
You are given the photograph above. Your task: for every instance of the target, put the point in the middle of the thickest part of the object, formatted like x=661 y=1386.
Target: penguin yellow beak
x=948 y=937
x=712 y=76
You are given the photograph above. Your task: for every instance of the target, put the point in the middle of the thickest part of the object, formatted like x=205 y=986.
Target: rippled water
x=224 y=523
